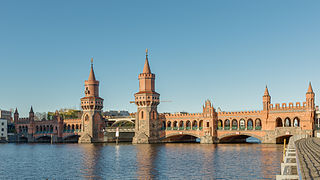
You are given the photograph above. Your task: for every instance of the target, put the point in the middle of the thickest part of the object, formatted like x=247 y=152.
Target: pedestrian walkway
x=308 y=151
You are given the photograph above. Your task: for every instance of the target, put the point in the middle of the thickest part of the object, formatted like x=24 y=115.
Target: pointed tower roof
x=92 y=77
x=16 y=111
x=310 y=90
x=266 y=92
x=31 y=110
x=146 y=68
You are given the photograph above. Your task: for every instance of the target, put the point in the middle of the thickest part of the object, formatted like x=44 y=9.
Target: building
x=6 y=115
x=3 y=130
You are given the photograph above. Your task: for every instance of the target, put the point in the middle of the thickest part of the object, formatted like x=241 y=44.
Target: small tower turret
x=31 y=114
x=310 y=96
x=266 y=99
x=16 y=115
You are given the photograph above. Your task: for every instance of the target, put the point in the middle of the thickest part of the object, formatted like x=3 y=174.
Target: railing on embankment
x=290 y=167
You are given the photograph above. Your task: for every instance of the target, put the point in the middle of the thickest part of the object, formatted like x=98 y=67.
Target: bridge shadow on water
x=240 y=139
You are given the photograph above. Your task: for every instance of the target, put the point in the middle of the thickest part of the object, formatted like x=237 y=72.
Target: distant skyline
x=225 y=51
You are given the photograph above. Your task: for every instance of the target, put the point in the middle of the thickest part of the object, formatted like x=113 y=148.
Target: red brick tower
x=147 y=125
x=310 y=96
x=91 y=104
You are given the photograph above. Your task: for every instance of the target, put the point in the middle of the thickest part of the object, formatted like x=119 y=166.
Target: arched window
x=227 y=124
x=220 y=126
x=234 y=124
x=188 y=125
x=201 y=124
x=287 y=122
x=181 y=125
x=163 y=127
x=279 y=122
x=258 y=124
x=141 y=115
x=242 y=124
x=175 y=125
x=194 y=125
x=37 y=129
x=296 y=122
x=250 y=124
x=72 y=127
x=169 y=125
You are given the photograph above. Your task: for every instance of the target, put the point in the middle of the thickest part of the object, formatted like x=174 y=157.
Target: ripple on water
x=126 y=161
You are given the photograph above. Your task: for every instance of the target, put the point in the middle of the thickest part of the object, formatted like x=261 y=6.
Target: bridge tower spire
x=266 y=99
x=147 y=125
x=92 y=122
x=310 y=97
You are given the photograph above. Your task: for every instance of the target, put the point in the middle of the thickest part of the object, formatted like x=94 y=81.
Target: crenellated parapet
x=288 y=106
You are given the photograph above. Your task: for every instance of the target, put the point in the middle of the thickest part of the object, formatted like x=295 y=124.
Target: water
x=126 y=161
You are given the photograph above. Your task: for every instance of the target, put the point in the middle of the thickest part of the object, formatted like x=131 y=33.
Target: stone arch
x=175 y=125
x=163 y=127
x=123 y=123
x=178 y=134
x=242 y=124
x=169 y=125
x=227 y=124
x=234 y=134
x=258 y=124
x=188 y=125
x=250 y=124
x=181 y=125
x=201 y=124
x=234 y=124
x=296 y=122
x=287 y=122
x=279 y=122
x=194 y=125
x=220 y=124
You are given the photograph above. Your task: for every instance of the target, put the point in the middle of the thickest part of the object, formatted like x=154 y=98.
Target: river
x=126 y=161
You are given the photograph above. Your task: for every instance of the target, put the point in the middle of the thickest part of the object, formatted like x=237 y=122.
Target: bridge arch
x=177 y=137
x=123 y=123
x=43 y=139
x=238 y=138
x=74 y=138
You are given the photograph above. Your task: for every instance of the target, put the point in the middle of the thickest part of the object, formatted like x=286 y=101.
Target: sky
x=226 y=51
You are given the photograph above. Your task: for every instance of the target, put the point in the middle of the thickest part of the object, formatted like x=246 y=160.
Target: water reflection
x=127 y=161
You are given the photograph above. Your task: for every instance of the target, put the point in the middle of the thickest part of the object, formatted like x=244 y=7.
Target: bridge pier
x=207 y=139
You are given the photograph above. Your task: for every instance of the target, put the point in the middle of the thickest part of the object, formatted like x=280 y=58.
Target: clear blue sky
x=226 y=51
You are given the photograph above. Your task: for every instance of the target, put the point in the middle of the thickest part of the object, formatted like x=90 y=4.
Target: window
x=2 y=129
x=2 y=123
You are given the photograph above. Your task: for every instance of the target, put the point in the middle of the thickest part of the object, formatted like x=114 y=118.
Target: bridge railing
x=242 y=128
x=183 y=128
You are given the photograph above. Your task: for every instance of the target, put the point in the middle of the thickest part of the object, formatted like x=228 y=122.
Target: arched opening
x=184 y=138
x=64 y=128
x=163 y=127
x=77 y=127
x=72 y=128
x=175 y=125
x=201 y=124
x=181 y=125
x=37 y=129
x=194 y=125
x=227 y=124
x=71 y=139
x=141 y=115
x=258 y=124
x=51 y=128
x=44 y=139
x=280 y=140
x=69 y=128
x=169 y=125
x=234 y=124
x=188 y=125
x=242 y=138
x=296 y=122
x=220 y=126
x=242 y=124
x=287 y=122
x=279 y=122
x=22 y=139
x=250 y=124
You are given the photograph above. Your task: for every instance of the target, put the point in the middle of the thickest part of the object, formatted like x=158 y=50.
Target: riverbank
x=301 y=159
